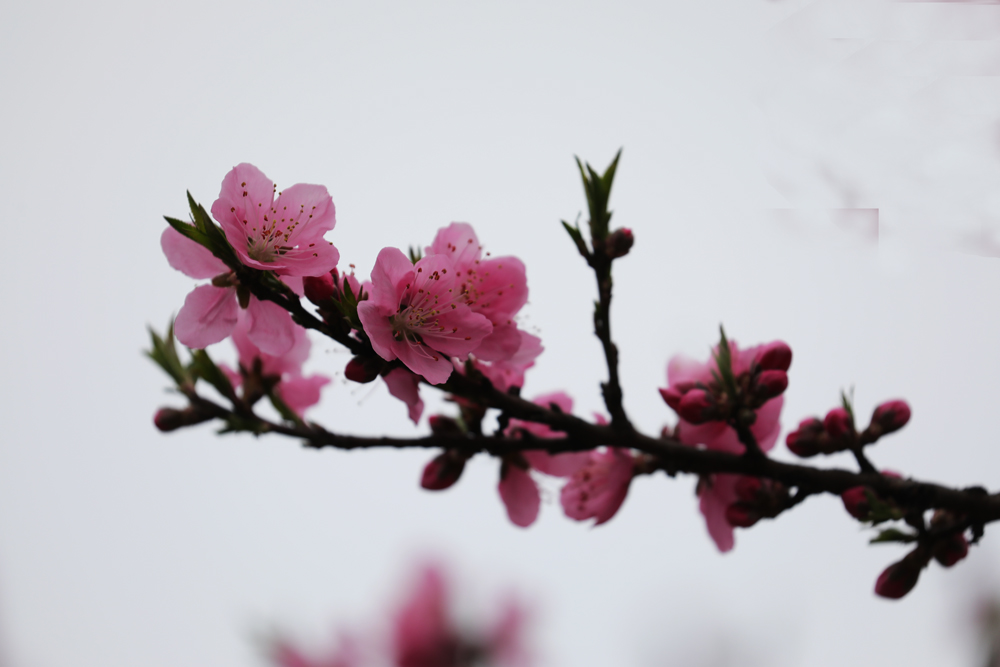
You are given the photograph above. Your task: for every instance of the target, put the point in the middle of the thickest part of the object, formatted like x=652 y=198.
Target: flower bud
x=619 y=242
x=672 y=397
x=171 y=419
x=951 y=550
x=770 y=384
x=776 y=356
x=891 y=416
x=856 y=502
x=747 y=488
x=696 y=407
x=899 y=578
x=808 y=439
x=363 y=369
x=838 y=423
x=442 y=425
x=442 y=471
x=319 y=289
x=742 y=515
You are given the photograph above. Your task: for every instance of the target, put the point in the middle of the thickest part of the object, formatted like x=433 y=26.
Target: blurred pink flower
x=598 y=488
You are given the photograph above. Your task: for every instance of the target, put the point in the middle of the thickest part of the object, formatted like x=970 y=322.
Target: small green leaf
x=206 y=369
x=847 y=402
x=164 y=353
x=577 y=236
x=724 y=360
x=893 y=535
x=415 y=255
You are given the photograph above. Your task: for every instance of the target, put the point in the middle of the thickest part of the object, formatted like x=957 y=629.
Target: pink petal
x=713 y=503
x=519 y=494
x=375 y=321
x=207 y=316
x=501 y=288
x=768 y=425
x=316 y=201
x=503 y=343
x=391 y=273
x=422 y=634
x=459 y=242
x=435 y=368
x=561 y=399
x=190 y=258
x=290 y=362
x=246 y=194
x=405 y=386
x=295 y=283
x=270 y=327
x=300 y=393
x=714 y=435
x=598 y=489
x=235 y=378
x=685 y=369
x=506 y=637
x=557 y=465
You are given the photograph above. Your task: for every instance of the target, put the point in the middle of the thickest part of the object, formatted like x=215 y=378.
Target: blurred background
x=820 y=172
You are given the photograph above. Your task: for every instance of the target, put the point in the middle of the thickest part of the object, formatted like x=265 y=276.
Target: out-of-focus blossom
x=890 y=416
x=285 y=654
x=210 y=312
x=283 y=234
x=416 y=313
x=598 y=488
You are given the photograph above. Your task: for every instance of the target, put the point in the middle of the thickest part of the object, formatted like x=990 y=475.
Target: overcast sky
x=822 y=173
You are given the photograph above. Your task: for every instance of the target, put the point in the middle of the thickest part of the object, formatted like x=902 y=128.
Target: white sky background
x=123 y=546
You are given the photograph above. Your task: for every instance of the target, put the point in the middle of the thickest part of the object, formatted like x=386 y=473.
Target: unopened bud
x=747 y=488
x=838 y=423
x=776 y=356
x=951 y=550
x=770 y=384
x=696 y=407
x=742 y=515
x=619 y=242
x=363 y=369
x=856 y=502
x=319 y=289
x=672 y=397
x=891 y=416
x=442 y=425
x=899 y=578
x=808 y=439
x=171 y=419
x=443 y=471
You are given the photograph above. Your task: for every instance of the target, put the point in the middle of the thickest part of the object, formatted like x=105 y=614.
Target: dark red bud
x=363 y=369
x=951 y=550
x=891 y=416
x=171 y=419
x=899 y=578
x=319 y=289
x=805 y=441
x=776 y=356
x=771 y=383
x=672 y=397
x=696 y=407
x=742 y=515
x=838 y=423
x=856 y=502
x=443 y=471
x=619 y=242
x=747 y=488
x=442 y=425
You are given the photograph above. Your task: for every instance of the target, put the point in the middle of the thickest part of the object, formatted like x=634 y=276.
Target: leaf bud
x=776 y=356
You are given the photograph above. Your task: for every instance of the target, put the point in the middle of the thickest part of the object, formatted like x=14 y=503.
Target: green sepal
x=848 y=403
x=879 y=511
x=577 y=236
x=238 y=424
x=893 y=535
x=164 y=353
x=188 y=230
x=415 y=255
x=347 y=305
x=205 y=369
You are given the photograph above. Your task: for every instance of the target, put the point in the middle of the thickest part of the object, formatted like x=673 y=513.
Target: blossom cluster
x=423 y=317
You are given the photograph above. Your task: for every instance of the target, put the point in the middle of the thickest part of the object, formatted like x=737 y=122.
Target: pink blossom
x=210 y=313
x=505 y=639
x=405 y=386
x=495 y=287
x=715 y=495
x=509 y=373
x=284 y=235
x=598 y=489
x=423 y=636
x=416 y=313
x=295 y=390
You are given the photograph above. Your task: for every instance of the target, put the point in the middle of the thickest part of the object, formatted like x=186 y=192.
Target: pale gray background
x=122 y=546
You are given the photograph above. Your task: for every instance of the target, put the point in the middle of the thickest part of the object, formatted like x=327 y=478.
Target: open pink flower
x=416 y=313
x=495 y=287
x=210 y=313
x=597 y=489
x=284 y=235
x=297 y=392
x=518 y=490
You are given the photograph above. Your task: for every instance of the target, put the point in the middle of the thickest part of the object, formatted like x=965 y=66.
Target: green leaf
x=577 y=236
x=187 y=230
x=893 y=535
x=164 y=353
x=724 y=361
x=206 y=369
x=415 y=255
x=282 y=408
x=847 y=402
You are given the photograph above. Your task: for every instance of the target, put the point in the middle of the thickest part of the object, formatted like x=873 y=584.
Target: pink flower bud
x=442 y=471
x=770 y=384
x=891 y=416
x=742 y=515
x=951 y=550
x=362 y=369
x=856 y=502
x=838 y=423
x=747 y=488
x=899 y=578
x=319 y=289
x=696 y=407
x=619 y=242
x=807 y=440
x=672 y=397
x=442 y=425
x=776 y=356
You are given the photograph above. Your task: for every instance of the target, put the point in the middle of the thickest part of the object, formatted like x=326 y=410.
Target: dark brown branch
x=612 y=390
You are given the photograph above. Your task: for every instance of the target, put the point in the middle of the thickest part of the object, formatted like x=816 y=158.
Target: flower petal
x=459 y=242
x=405 y=386
x=519 y=494
x=208 y=315
x=300 y=393
x=189 y=257
x=270 y=327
